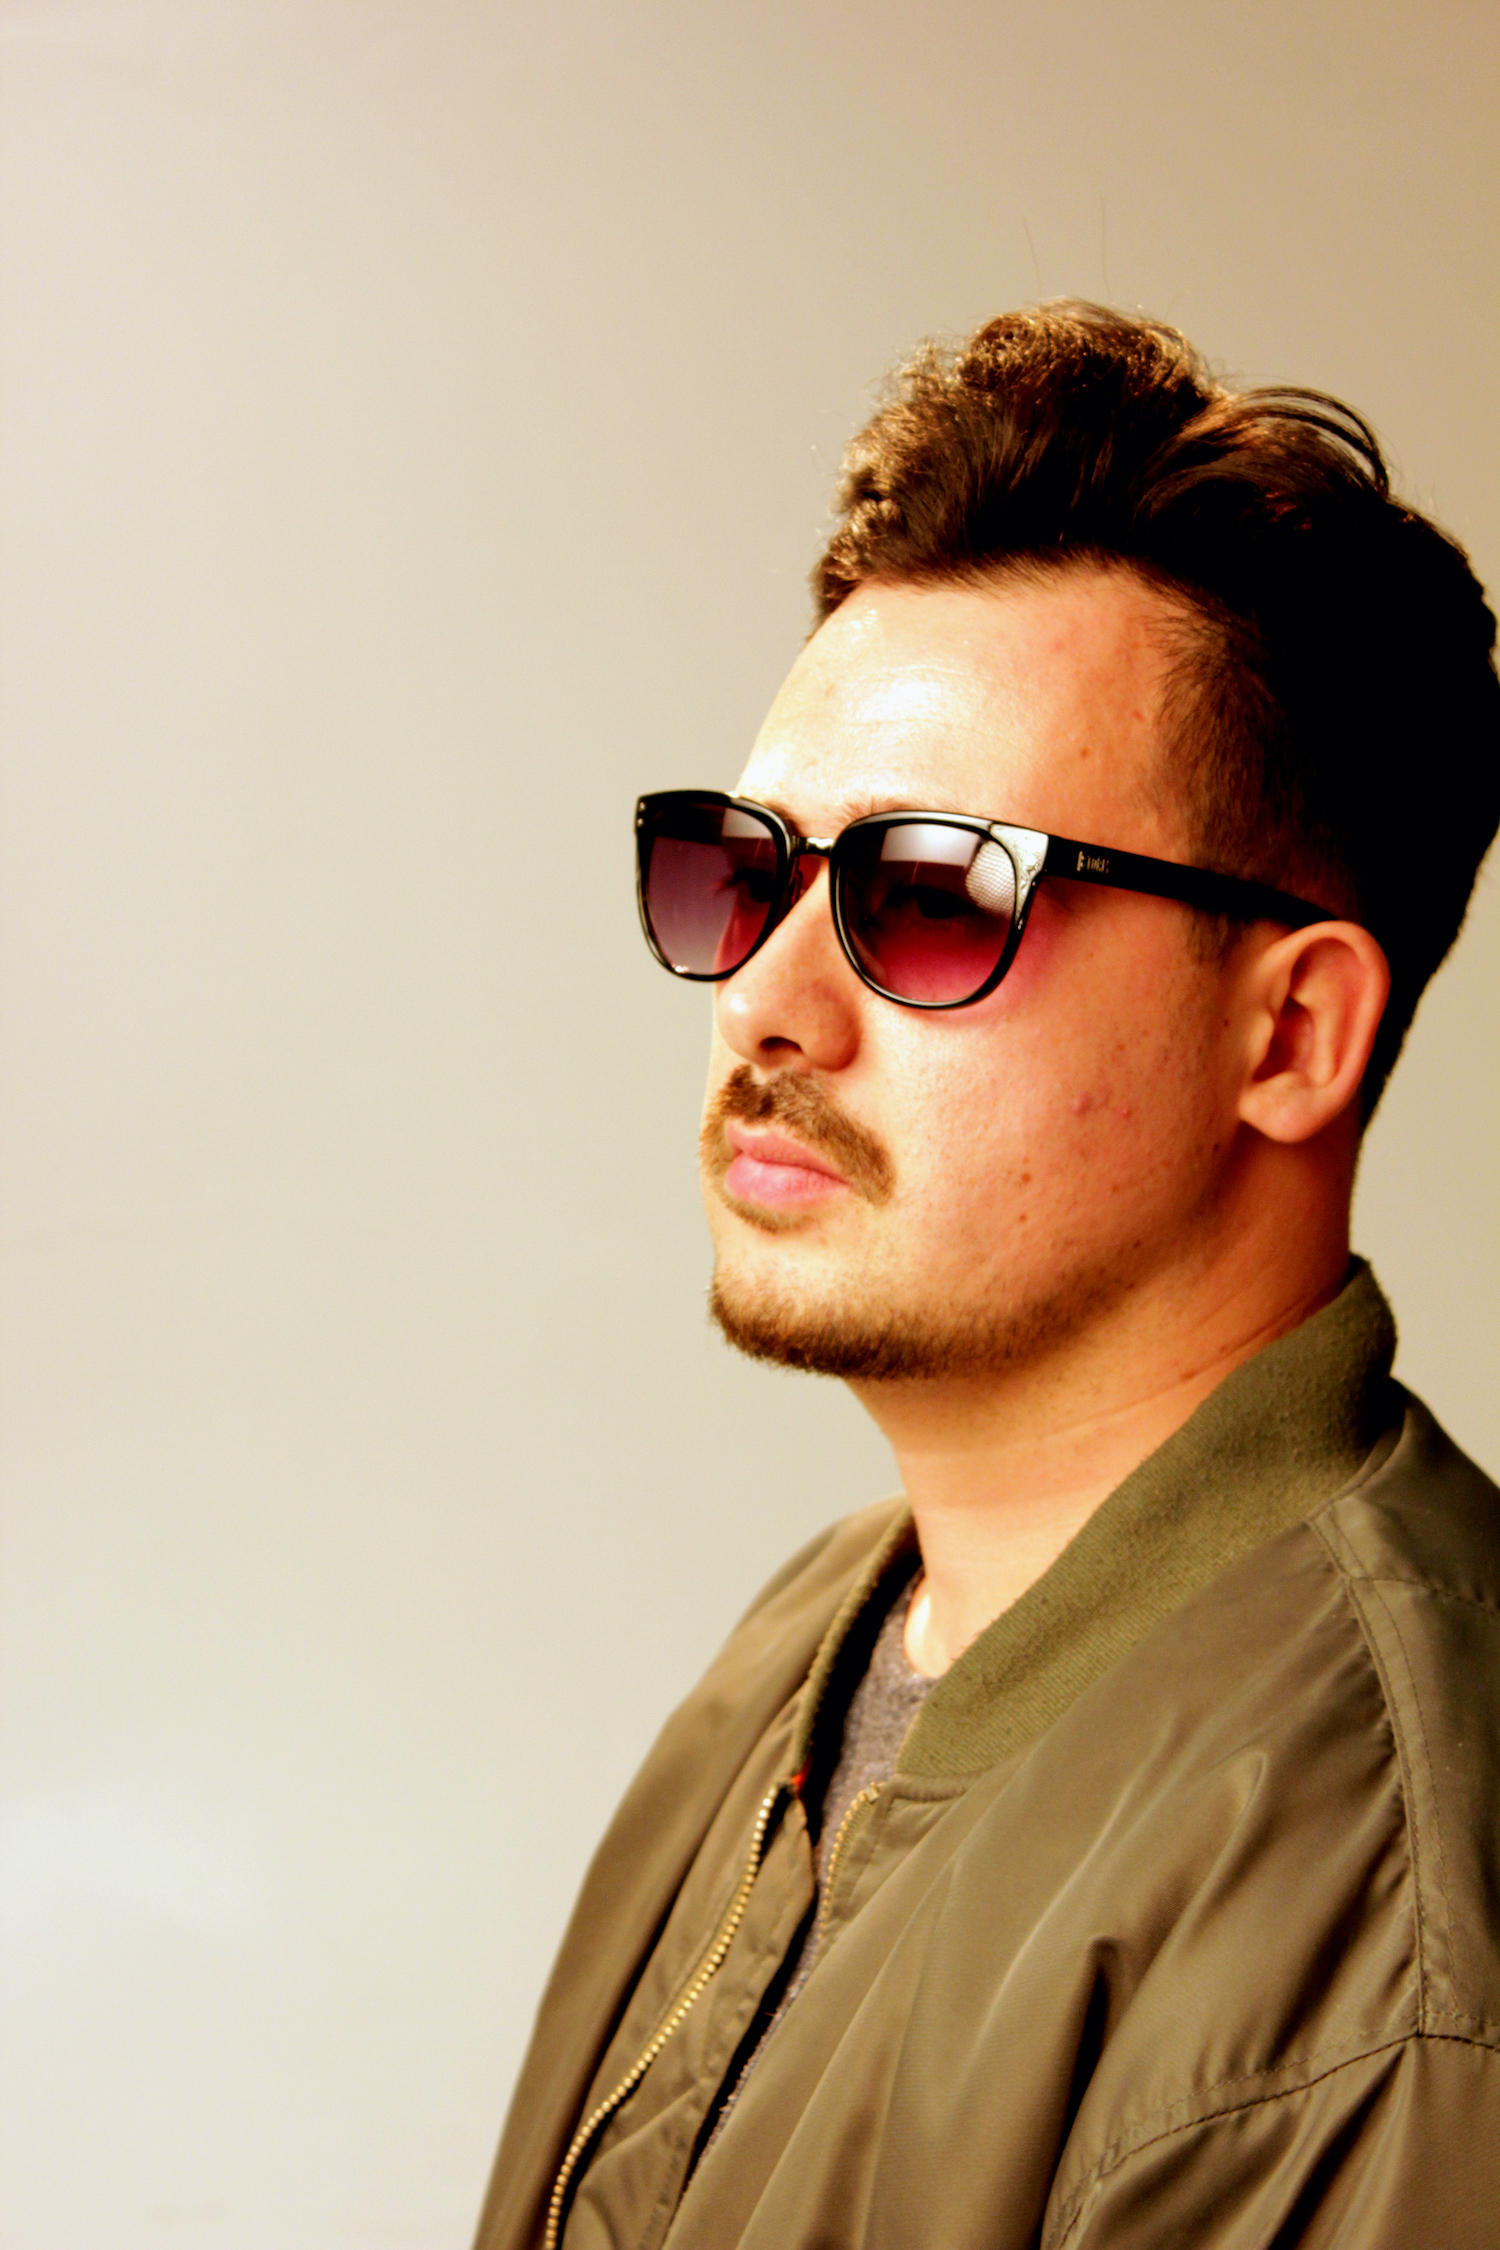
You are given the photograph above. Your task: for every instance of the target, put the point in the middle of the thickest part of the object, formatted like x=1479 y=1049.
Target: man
x=1098 y=1846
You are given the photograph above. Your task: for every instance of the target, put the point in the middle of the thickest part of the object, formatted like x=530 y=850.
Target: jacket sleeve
x=1386 y=2152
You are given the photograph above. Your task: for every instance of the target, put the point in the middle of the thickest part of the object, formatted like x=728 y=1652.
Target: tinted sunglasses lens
x=708 y=877
x=927 y=908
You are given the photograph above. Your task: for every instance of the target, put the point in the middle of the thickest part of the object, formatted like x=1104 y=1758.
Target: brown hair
x=1334 y=707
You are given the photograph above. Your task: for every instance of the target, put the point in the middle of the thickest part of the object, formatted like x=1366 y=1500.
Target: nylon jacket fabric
x=1179 y=1921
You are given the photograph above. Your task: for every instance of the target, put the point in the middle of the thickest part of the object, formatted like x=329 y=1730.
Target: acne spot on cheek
x=1082 y=1103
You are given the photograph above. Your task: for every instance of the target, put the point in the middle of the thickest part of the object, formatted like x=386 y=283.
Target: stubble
x=870 y=1326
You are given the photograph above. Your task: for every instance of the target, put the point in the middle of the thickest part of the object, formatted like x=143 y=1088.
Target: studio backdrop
x=416 y=421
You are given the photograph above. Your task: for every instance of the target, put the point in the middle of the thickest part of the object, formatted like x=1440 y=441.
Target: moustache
x=806 y=1109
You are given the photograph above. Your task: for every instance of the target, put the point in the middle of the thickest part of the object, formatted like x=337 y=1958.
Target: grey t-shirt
x=881 y=1709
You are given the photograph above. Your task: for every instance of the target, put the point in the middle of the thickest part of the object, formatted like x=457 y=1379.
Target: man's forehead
x=1028 y=700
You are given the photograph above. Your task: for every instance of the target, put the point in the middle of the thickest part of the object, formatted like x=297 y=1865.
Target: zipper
x=867 y=1796
x=701 y=1978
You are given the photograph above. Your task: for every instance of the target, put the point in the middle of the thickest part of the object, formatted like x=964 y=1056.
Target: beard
x=872 y=1328
x=876 y=1342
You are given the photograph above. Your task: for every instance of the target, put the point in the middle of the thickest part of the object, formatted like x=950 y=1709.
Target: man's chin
x=881 y=1341
x=844 y=1341
x=818 y=1346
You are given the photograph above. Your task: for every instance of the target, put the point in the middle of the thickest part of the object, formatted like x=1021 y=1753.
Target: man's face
x=981 y=1181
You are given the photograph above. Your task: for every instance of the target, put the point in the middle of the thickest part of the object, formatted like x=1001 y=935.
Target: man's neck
x=1002 y=1470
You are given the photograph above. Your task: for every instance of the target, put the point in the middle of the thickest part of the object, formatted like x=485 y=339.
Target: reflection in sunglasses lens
x=928 y=908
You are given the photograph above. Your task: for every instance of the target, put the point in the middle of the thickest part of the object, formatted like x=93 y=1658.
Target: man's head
x=1077 y=586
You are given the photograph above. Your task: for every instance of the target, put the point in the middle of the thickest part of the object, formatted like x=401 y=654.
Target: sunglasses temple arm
x=1191 y=886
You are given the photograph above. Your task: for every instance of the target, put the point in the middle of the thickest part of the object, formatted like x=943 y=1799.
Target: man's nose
x=796 y=1002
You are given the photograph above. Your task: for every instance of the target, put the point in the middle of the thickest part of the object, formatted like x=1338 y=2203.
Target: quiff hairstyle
x=1332 y=709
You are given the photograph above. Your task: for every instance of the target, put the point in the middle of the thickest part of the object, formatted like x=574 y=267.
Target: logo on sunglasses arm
x=1096 y=863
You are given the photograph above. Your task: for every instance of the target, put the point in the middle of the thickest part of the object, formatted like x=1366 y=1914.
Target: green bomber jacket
x=1178 y=1923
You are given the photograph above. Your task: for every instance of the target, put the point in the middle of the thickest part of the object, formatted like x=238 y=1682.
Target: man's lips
x=773 y=1169
x=785 y=1140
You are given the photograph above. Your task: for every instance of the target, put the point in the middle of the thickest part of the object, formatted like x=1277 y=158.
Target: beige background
x=417 y=420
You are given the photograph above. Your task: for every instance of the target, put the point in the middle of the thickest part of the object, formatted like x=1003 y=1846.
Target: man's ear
x=1313 y=1004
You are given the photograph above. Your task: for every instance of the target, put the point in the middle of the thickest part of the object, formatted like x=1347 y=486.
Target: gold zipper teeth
x=866 y=1796
x=703 y=1975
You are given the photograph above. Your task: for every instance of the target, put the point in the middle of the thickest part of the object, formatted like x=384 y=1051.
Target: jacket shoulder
x=1426 y=1513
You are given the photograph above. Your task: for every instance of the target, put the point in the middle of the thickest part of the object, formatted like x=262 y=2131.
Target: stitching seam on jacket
x=1437 y=1823
x=1120 y=2151
x=1480 y=2024
x=1326 y=1533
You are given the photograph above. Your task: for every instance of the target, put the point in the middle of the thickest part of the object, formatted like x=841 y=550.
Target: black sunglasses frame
x=1033 y=854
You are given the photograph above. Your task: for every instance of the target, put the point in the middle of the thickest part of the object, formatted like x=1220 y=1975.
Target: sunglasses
x=929 y=906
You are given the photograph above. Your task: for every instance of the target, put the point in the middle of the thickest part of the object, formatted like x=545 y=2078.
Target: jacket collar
x=1282 y=1433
